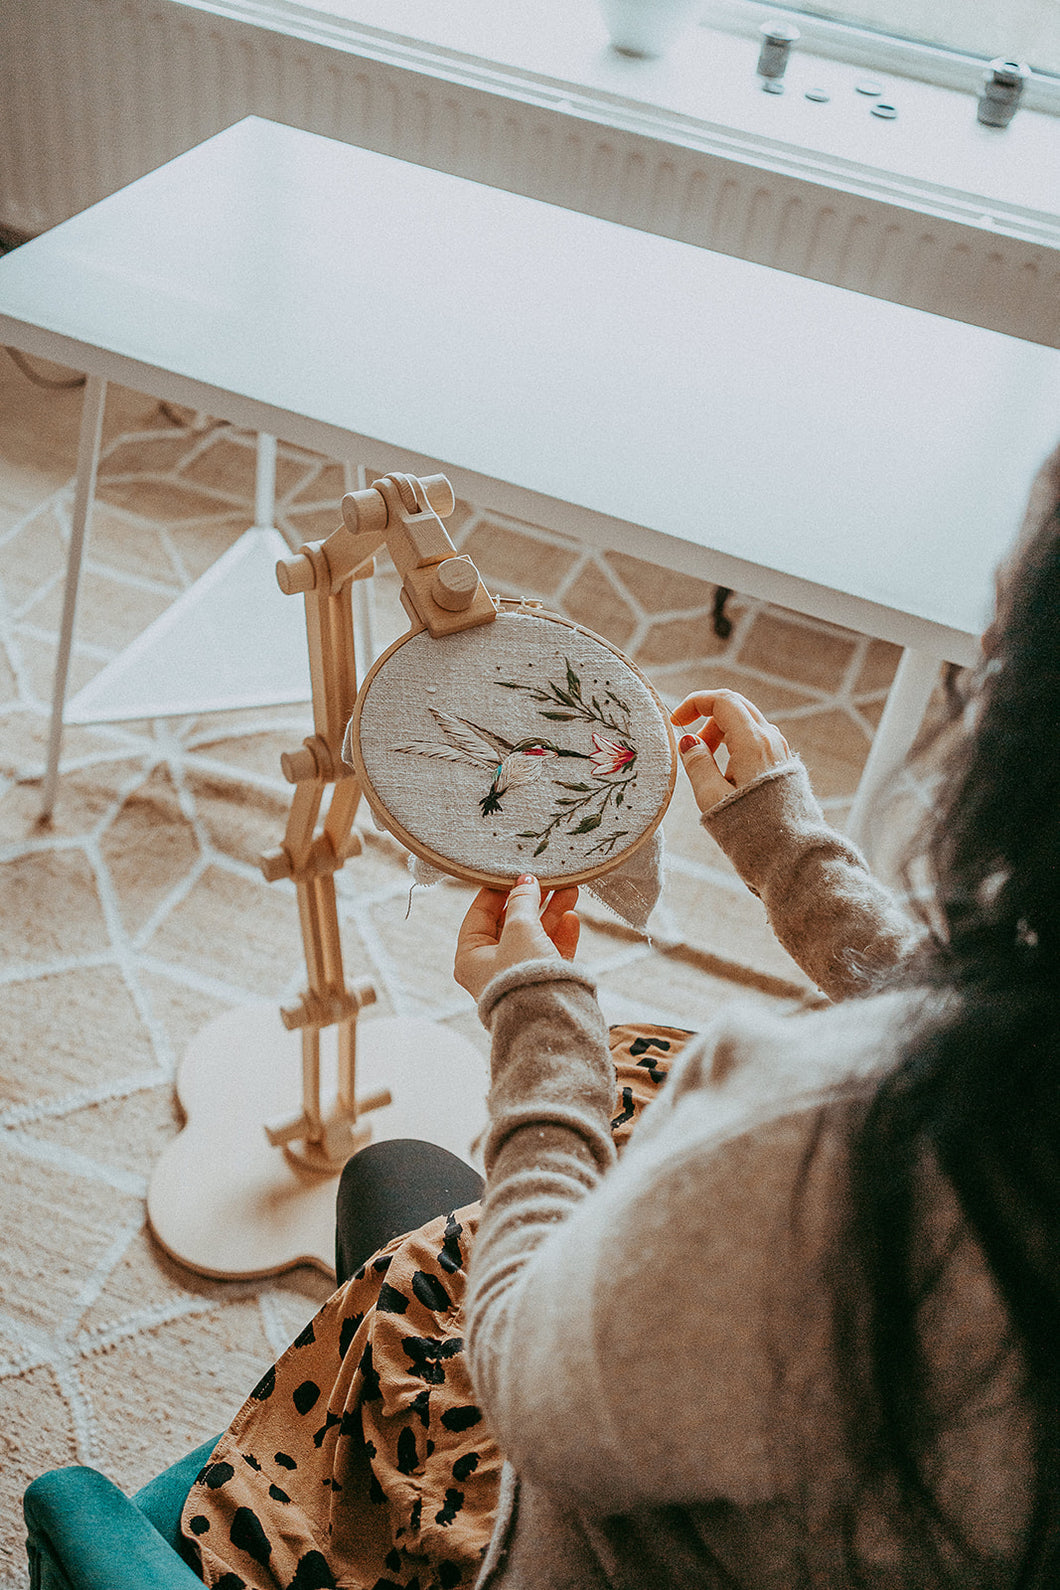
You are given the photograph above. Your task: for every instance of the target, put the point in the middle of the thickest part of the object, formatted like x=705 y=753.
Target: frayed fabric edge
x=637 y=911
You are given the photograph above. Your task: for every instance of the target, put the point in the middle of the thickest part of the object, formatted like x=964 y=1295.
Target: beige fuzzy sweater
x=626 y=1319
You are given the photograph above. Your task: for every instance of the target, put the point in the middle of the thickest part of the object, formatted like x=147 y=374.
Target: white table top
x=850 y=458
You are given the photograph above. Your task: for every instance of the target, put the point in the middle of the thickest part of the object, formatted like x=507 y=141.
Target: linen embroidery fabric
x=360 y=1459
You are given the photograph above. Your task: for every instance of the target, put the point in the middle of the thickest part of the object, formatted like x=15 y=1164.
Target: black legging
x=393 y=1187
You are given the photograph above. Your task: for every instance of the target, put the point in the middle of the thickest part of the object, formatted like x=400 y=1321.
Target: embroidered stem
x=571 y=703
x=570 y=808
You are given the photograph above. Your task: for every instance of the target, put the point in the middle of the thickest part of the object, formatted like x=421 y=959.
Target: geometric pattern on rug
x=141 y=913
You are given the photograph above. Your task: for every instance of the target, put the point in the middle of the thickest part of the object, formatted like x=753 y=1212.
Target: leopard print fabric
x=360 y=1459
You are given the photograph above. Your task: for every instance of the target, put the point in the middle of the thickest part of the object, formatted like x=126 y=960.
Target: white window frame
x=877 y=51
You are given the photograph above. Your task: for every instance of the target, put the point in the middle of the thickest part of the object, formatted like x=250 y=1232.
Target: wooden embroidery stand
x=440 y=591
x=247 y=1187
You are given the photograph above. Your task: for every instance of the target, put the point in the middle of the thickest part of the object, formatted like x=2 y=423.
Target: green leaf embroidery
x=609 y=843
x=587 y=804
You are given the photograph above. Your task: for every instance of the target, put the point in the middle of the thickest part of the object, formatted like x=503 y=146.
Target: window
x=943 y=41
x=1019 y=30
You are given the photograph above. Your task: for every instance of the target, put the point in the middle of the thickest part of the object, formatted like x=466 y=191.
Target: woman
x=803 y=1330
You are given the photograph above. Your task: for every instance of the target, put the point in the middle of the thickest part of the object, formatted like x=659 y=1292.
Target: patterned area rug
x=140 y=914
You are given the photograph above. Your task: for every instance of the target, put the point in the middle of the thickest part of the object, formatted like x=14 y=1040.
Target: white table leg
x=84 y=496
x=907 y=702
x=265 y=483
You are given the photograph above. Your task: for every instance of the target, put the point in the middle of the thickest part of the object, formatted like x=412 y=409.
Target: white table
x=855 y=460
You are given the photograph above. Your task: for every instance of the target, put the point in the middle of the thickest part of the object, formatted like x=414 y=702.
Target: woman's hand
x=501 y=929
x=753 y=744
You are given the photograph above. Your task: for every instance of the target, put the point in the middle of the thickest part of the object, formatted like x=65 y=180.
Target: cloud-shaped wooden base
x=225 y=1203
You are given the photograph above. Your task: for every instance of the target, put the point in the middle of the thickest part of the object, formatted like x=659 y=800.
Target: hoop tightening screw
x=777 y=40
x=1002 y=90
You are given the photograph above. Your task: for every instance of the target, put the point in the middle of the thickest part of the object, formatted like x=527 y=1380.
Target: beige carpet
x=141 y=914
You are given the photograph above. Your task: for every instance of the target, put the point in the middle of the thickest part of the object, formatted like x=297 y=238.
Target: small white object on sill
x=648 y=28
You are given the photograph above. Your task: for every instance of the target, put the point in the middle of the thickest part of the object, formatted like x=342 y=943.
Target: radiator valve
x=777 y=39
x=1001 y=93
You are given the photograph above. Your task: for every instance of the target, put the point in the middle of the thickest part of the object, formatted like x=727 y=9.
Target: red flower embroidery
x=610 y=756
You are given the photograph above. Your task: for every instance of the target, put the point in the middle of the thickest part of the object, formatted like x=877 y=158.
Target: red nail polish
x=526 y=878
x=688 y=742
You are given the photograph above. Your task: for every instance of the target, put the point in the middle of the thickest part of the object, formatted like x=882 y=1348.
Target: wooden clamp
x=441 y=589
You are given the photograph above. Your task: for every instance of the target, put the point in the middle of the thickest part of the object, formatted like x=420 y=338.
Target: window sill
x=934 y=157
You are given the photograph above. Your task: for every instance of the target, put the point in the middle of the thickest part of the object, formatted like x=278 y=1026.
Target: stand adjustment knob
x=455 y=583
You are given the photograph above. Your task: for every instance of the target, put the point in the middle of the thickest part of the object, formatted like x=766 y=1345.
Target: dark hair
x=976 y=1096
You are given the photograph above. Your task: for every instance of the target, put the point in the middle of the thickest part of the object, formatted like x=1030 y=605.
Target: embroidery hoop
x=362 y=752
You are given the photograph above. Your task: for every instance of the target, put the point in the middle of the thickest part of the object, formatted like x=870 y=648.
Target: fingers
x=522 y=936
x=492 y=909
x=567 y=934
x=752 y=744
x=477 y=940
x=723 y=705
x=503 y=927
x=482 y=923
x=535 y=930
x=558 y=904
x=739 y=723
x=709 y=786
x=561 y=922
x=524 y=901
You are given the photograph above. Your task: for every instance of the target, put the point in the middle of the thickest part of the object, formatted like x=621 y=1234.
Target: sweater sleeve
x=832 y=916
x=552 y=1095
x=621 y=1328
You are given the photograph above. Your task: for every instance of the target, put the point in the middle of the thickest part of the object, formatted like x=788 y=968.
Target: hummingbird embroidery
x=508 y=764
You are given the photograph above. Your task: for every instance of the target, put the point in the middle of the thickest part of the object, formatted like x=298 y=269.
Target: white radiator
x=93 y=93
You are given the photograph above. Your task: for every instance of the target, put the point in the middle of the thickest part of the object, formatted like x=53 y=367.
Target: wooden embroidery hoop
x=503 y=878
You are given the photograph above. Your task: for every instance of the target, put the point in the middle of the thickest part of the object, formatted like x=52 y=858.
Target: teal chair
x=83 y=1533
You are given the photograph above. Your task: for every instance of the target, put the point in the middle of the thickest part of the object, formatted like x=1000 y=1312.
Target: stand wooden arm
x=442 y=592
